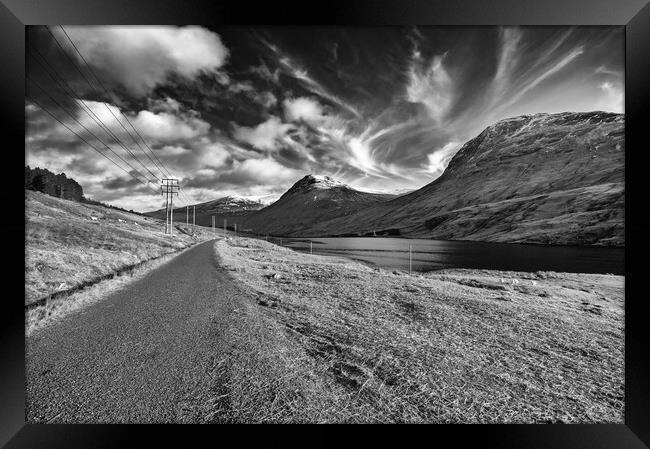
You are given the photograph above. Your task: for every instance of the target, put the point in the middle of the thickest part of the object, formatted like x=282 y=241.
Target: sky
x=248 y=111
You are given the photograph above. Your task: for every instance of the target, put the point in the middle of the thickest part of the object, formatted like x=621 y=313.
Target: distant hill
x=308 y=202
x=543 y=178
x=60 y=186
x=230 y=209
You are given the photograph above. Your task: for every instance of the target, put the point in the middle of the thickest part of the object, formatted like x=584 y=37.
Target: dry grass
x=264 y=375
x=65 y=248
x=330 y=340
x=44 y=315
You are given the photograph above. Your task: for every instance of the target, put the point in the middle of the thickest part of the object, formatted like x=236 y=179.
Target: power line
x=90 y=84
x=33 y=100
x=86 y=129
x=90 y=69
x=56 y=77
x=51 y=71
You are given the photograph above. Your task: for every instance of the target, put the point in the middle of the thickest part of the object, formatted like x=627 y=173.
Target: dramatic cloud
x=266 y=99
x=265 y=73
x=143 y=57
x=305 y=109
x=214 y=155
x=164 y=105
x=260 y=171
x=265 y=136
x=162 y=127
x=236 y=111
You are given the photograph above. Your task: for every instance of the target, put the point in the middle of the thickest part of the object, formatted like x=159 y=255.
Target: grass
x=330 y=340
x=52 y=310
x=70 y=245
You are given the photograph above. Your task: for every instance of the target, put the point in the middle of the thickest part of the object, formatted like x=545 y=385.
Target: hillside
x=543 y=178
x=308 y=202
x=232 y=209
x=70 y=244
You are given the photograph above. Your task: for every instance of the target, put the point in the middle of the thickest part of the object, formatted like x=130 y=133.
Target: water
x=428 y=255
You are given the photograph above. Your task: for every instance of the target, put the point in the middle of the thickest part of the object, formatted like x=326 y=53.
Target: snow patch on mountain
x=325 y=182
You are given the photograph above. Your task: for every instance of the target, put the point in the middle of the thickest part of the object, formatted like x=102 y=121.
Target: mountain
x=309 y=201
x=229 y=208
x=543 y=178
x=43 y=180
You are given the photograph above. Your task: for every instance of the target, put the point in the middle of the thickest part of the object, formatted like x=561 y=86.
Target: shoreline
x=407 y=237
x=340 y=252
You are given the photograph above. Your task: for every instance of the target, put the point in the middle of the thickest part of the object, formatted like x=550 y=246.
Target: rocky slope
x=543 y=178
x=308 y=202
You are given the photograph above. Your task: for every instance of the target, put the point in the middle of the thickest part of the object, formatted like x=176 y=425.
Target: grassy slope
x=333 y=340
x=64 y=245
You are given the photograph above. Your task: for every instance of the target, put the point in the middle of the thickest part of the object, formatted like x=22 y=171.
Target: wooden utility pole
x=311 y=247
x=225 y=222
x=214 y=231
x=235 y=229
x=171 y=217
x=166 y=213
x=187 y=216
x=409 y=259
x=169 y=187
x=193 y=218
x=166 y=194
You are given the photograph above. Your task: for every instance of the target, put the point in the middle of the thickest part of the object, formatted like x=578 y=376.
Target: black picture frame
x=634 y=15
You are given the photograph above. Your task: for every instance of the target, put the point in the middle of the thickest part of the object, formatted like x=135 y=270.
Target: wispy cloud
x=439 y=159
x=292 y=68
x=380 y=109
x=613 y=98
x=432 y=86
x=508 y=58
x=529 y=84
x=607 y=71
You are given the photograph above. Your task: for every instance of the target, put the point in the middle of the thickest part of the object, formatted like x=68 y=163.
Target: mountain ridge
x=228 y=209
x=532 y=156
x=309 y=200
x=538 y=178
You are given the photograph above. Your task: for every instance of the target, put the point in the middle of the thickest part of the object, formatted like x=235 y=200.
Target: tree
x=39 y=183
